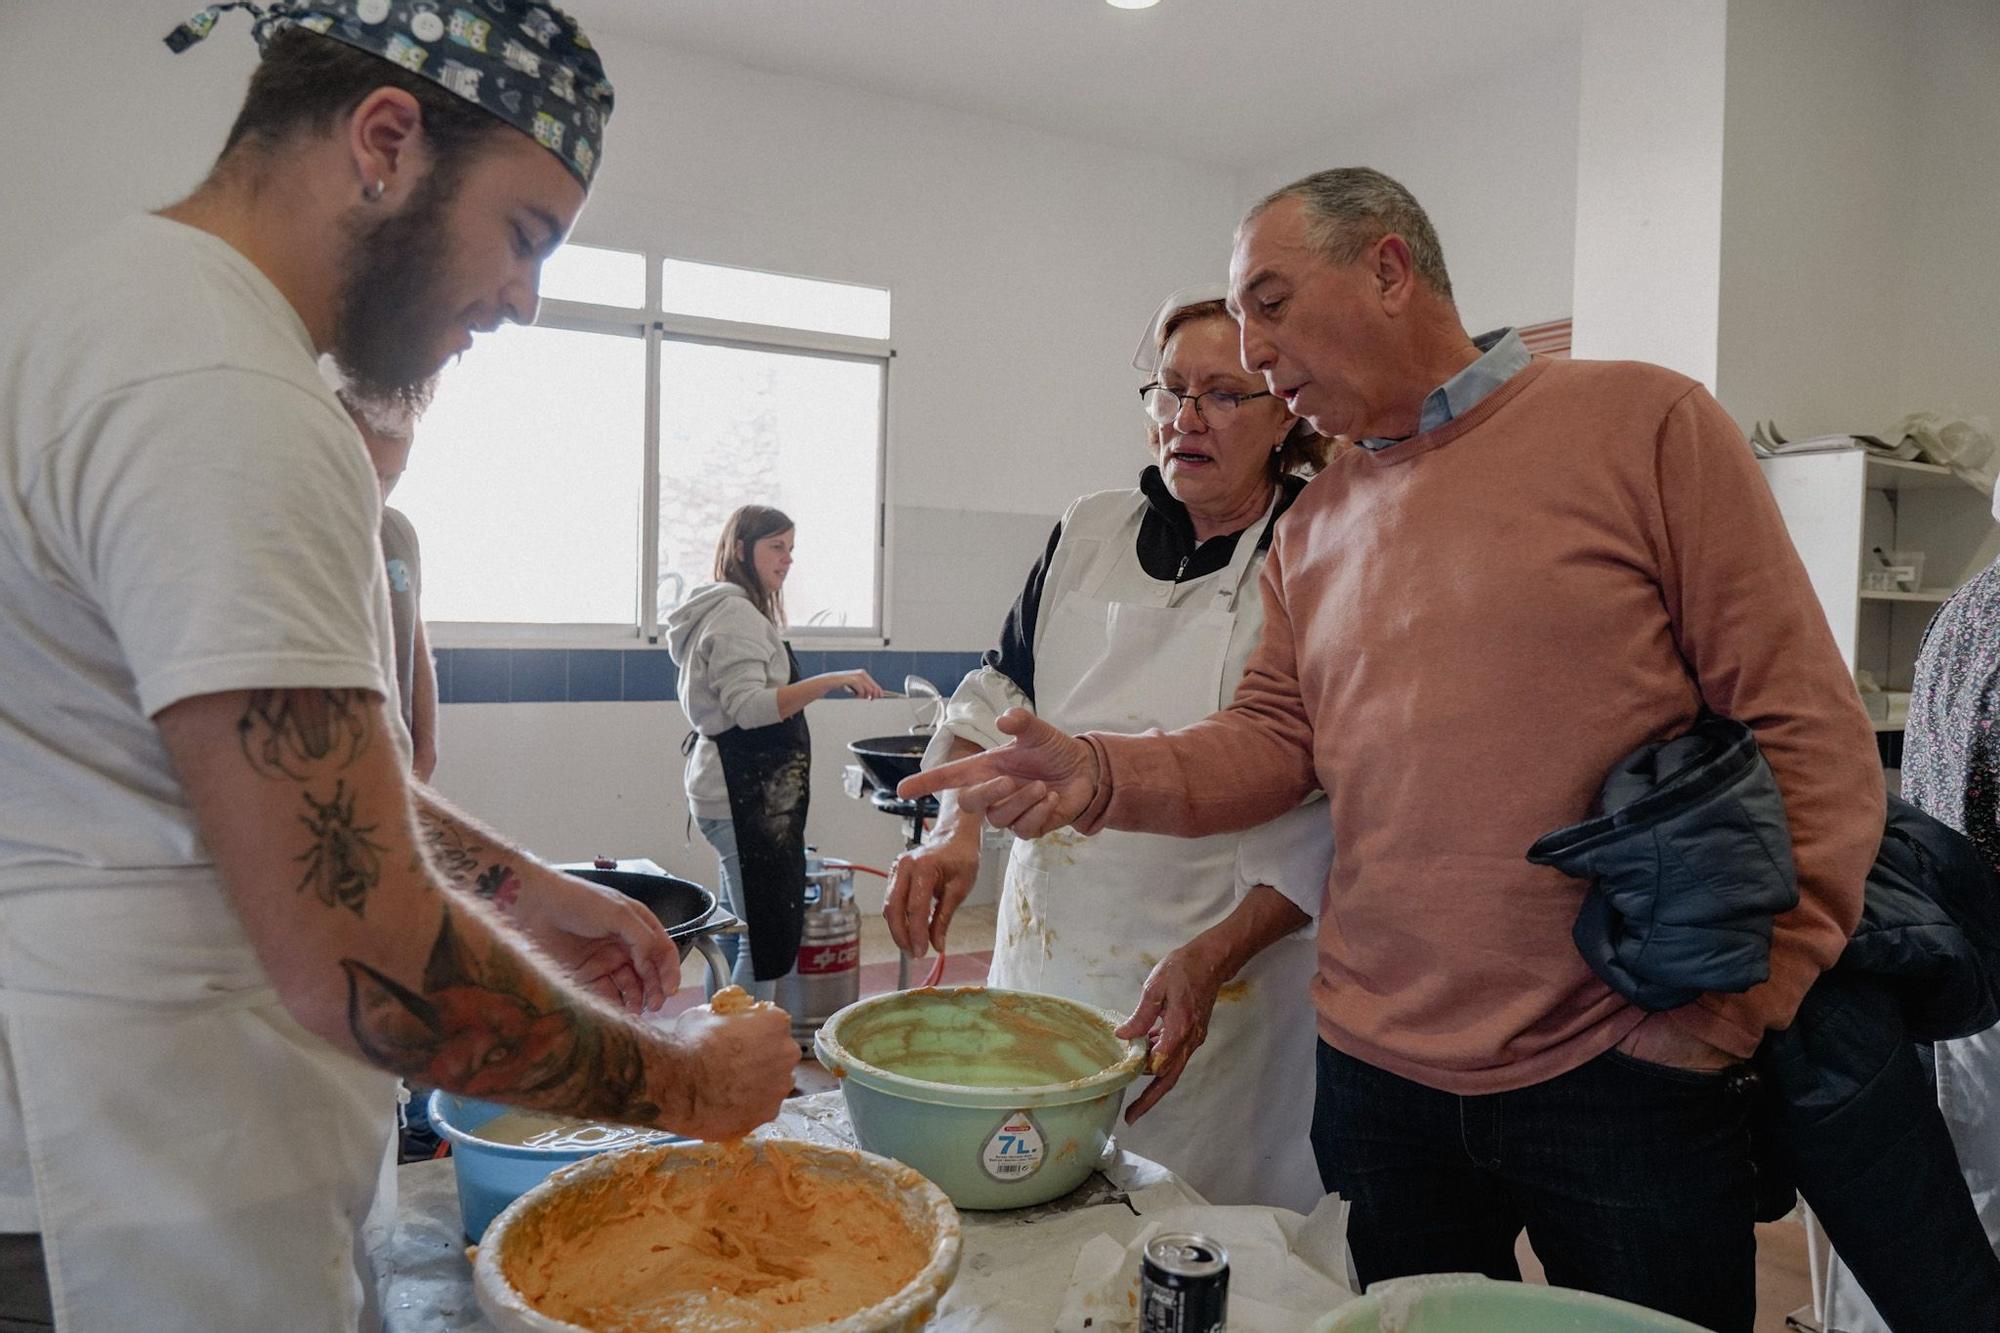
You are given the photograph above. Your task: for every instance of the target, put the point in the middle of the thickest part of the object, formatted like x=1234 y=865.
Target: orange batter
x=735 y=1000
x=744 y=1242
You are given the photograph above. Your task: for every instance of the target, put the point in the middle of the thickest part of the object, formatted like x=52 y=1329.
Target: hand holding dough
x=739 y=1057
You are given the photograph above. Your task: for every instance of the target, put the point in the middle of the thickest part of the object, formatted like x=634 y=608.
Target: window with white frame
x=553 y=498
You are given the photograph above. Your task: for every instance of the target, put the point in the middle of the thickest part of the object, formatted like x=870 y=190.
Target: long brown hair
x=735 y=564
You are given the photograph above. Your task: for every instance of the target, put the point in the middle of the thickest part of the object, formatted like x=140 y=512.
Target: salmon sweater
x=1463 y=633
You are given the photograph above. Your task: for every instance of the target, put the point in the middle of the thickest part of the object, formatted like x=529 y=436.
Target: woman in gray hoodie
x=739 y=682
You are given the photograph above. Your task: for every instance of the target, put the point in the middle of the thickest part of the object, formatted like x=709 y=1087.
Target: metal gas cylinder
x=827 y=976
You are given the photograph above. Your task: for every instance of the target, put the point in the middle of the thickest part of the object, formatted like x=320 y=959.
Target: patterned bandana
x=528 y=64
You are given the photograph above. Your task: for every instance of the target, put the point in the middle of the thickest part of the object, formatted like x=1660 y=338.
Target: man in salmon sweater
x=1522 y=571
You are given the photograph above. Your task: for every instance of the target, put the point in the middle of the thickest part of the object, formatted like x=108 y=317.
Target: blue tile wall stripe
x=537 y=675
x=478 y=676
x=649 y=674
x=596 y=674
x=580 y=675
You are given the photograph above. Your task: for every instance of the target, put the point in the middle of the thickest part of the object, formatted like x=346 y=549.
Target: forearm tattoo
x=453 y=850
x=482 y=1022
x=487 y=1025
x=499 y=885
x=467 y=862
x=343 y=863
x=303 y=734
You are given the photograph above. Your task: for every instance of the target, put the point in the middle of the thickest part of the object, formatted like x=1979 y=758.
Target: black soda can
x=1183 y=1284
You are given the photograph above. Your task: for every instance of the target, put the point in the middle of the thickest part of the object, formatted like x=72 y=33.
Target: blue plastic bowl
x=493 y=1175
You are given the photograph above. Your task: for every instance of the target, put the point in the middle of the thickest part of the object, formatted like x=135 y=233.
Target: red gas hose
x=937 y=967
x=849 y=865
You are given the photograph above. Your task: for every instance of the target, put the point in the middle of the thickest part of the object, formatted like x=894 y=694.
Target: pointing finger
x=947 y=777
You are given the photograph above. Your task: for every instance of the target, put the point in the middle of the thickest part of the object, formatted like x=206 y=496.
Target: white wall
x=138 y=136
x=1949 y=218
x=1493 y=161
x=1812 y=236
x=1815 y=207
x=1649 y=182
x=576 y=780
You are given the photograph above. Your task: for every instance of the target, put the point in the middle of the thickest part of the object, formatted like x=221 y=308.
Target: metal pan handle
x=718 y=967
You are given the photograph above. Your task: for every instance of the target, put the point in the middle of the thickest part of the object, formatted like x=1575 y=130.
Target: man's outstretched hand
x=1044 y=781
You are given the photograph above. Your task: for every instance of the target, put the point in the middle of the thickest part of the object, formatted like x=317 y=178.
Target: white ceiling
x=1221 y=81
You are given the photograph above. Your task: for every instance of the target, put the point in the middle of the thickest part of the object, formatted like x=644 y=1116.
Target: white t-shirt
x=185 y=509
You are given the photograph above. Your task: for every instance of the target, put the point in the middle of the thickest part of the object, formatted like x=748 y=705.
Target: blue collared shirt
x=1502 y=356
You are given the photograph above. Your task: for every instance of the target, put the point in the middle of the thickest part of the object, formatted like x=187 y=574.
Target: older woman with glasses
x=1141 y=613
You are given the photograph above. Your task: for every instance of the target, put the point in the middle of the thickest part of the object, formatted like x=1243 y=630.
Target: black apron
x=769 y=774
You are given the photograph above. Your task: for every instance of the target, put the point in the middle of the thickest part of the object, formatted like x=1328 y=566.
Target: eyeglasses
x=1216 y=407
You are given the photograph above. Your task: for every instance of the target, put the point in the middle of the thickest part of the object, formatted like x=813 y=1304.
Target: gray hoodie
x=732 y=661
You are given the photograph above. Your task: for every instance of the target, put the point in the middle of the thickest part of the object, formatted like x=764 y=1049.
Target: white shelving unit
x=1841 y=507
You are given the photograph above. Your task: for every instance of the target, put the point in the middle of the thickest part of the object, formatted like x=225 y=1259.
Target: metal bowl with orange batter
x=763 y=1234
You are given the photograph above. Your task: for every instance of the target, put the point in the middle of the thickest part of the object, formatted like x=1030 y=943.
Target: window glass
x=797 y=431
x=601 y=277
x=747 y=296
x=524 y=482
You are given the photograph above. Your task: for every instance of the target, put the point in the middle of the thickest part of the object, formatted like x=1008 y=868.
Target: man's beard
x=389 y=314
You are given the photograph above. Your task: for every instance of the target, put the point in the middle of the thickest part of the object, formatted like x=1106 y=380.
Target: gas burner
x=921 y=807
x=914 y=814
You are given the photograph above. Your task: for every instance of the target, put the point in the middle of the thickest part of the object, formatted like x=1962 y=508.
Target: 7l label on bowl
x=1015 y=1151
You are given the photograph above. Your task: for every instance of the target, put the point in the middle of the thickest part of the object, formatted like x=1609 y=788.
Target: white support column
x=1649 y=183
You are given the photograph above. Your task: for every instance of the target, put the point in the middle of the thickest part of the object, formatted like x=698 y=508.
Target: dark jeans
x=1633 y=1180
x=24 y=1285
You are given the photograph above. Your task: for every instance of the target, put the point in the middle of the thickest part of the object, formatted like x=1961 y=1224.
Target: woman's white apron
x=1087 y=918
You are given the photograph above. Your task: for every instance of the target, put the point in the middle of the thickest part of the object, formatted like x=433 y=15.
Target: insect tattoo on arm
x=342 y=863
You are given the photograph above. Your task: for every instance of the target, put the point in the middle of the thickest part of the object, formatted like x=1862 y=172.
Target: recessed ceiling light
x=1131 y=4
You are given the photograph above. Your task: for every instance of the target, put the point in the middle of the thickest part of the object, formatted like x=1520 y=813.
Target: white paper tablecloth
x=1068 y=1265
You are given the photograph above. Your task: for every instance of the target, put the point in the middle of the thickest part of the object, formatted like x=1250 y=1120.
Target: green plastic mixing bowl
x=1003 y=1098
